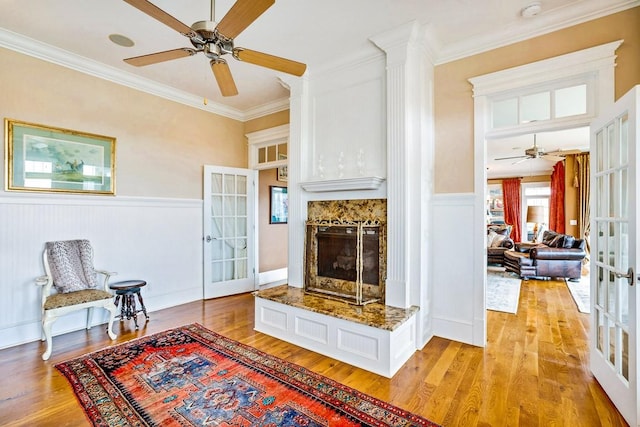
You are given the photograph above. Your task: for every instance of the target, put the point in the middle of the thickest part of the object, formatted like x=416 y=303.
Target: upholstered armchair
x=498 y=241
x=71 y=283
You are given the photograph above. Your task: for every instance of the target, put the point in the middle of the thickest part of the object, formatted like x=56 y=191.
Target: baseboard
x=271 y=278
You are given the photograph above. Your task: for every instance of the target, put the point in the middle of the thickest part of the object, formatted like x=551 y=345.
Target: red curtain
x=512 y=206
x=556 y=202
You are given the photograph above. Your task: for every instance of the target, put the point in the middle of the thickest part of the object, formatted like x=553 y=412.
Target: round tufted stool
x=126 y=292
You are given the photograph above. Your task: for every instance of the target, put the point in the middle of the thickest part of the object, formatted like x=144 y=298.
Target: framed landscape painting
x=48 y=159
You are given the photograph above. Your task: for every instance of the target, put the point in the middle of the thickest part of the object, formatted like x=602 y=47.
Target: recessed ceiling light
x=531 y=10
x=121 y=40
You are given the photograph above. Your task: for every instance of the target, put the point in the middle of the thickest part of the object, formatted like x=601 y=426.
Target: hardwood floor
x=533 y=371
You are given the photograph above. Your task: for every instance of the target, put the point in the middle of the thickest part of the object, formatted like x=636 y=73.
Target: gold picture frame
x=49 y=159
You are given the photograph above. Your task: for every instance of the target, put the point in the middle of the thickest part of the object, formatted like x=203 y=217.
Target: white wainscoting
x=157 y=240
x=377 y=350
x=271 y=278
x=457 y=270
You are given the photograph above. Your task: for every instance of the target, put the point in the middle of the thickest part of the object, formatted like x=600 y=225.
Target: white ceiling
x=320 y=33
x=571 y=139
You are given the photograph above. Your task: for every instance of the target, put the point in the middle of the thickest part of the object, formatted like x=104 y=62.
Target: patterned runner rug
x=191 y=376
x=503 y=291
x=581 y=293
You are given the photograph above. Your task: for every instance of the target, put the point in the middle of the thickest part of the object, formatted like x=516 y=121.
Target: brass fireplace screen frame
x=357 y=291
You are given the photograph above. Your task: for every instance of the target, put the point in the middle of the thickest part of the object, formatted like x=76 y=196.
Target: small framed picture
x=278 y=205
x=283 y=171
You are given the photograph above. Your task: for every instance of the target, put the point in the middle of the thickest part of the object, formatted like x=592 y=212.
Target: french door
x=228 y=244
x=614 y=211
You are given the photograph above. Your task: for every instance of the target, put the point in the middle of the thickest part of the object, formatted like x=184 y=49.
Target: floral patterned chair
x=71 y=284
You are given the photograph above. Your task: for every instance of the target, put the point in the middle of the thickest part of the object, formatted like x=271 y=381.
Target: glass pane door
x=228 y=223
x=613 y=346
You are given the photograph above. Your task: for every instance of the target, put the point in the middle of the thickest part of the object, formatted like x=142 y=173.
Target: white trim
x=517 y=33
x=598 y=60
x=549 y=70
x=345 y=184
x=83 y=200
x=267 y=279
x=49 y=53
x=265 y=138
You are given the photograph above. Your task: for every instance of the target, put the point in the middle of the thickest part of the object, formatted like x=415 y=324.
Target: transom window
x=540 y=105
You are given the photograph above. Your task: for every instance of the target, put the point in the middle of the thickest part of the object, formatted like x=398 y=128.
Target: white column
x=298 y=135
x=404 y=98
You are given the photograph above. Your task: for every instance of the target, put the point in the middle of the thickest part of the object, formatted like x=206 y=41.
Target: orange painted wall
x=273 y=237
x=453 y=93
x=161 y=146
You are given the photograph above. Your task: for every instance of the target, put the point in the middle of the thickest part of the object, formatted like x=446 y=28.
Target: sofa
x=558 y=255
x=498 y=241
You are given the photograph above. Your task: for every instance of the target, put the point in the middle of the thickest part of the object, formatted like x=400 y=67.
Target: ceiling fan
x=536 y=152
x=215 y=40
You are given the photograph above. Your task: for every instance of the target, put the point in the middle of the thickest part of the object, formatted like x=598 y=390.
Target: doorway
x=533 y=92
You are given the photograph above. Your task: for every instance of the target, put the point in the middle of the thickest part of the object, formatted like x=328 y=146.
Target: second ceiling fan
x=536 y=152
x=216 y=40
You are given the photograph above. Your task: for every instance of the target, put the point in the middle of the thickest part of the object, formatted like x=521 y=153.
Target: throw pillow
x=490 y=236
x=71 y=265
x=548 y=237
x=557 y=241
x=568 y=242
x=498 y=240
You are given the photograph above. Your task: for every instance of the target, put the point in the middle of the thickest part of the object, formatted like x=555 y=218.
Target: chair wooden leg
x=46 y=329
x=112 y=315
x=89 y=317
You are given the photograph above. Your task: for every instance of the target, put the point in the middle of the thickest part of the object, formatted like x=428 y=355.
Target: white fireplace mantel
x=343 y=184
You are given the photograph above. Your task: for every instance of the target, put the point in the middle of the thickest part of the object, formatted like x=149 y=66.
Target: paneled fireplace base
x=374 y=337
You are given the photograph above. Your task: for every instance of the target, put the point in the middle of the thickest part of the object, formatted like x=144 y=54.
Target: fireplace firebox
x=345 y=260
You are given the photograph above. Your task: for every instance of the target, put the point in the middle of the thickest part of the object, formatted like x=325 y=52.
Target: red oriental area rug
x=191 y=376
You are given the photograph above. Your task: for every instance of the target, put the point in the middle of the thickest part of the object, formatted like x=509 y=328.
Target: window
x=531 y=106
x=535 y=194
x=268 y=148
x=495 y=204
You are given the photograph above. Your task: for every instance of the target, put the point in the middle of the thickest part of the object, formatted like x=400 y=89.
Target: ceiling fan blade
x=521 y=160
x=154 y=58
x=563 y=152
x=553 y=158
x=514 y=157
x=270 y=61
x=155 y=12
x=241 y=15
x=224 y=78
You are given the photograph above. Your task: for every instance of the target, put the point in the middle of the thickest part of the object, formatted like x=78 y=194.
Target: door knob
x=628 y=275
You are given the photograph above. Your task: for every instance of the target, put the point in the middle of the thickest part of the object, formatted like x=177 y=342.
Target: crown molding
x=266 y=109
x=556 y=21
x=46 y=52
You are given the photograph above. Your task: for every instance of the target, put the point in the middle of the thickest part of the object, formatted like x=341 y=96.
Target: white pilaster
x=298 y=135
x=404 y=172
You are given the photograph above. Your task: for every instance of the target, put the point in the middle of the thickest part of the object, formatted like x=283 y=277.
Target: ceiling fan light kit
x=216 y=40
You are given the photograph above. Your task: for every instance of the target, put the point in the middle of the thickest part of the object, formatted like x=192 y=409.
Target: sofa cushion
x=568 y=242
x=496 y=240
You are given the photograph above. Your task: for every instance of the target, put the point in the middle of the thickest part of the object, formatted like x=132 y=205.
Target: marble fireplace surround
x=350 y=218
x=375 y=337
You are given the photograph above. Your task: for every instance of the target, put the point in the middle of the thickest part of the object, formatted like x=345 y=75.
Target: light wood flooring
x=533 y=372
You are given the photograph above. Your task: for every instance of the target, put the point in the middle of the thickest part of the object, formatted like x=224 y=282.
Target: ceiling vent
x=531 y=10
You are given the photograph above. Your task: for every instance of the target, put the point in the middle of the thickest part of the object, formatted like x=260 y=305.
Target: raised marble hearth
x=374 y=337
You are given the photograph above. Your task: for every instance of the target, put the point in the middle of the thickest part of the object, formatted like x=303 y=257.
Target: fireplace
x=346 y=258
